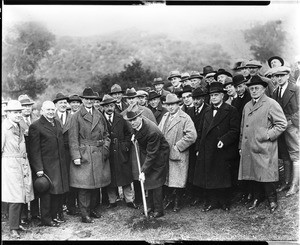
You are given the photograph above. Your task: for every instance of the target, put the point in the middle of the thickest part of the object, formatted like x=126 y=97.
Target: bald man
x=47 y=155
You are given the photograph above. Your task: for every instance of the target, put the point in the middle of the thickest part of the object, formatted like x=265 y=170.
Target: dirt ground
x=123 y=223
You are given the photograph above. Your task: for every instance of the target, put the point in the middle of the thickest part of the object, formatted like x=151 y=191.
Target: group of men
x=209 y=137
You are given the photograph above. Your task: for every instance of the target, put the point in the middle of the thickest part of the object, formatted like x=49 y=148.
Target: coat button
x=247 y=126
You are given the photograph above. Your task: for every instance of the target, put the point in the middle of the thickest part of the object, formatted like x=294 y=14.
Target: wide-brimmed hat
x=141 y=93
x=222 y=72
x=275 y=58
x=60 y=96
x=172 y=99
x=216 y=87
x=207 y=70
x=281 y=70
x=174 y=74
x=42 y=184
x=253 y=63
x=75 y=97
x=107 y=99
x=158 y=80
x=254 y=80
x=132 y=114
x=25 y=100
x=185 y=89
x=88 y=93
x=130 y=93
x=238 y=79
x=153 y=95
x=228 y=80
x=184 y=76
x=14 y=105
x=241 y=66
x=198 y=92
x=116 y=88
x=195 y=74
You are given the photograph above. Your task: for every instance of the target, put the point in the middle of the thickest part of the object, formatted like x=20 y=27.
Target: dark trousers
x=4 y=208
x=51 y=206
x=35 y=207
x=104 y=195
x=14 y=215
x=265 y=189
x=155 y=199
x=137 y=192
x=87 y=201
x=218 y=196
x=71 y=197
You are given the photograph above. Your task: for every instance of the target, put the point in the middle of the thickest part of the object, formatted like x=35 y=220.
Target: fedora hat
x=130 y=93
x=185 y=89
x=207 y=70
x=60 y=96
x=116 y=88
x=228 y=80
x=254 y=80
x=185 y=76
x=216 y=87
x=198 y=92
x=132 y=114
x=275 y=58
x=195 y=74
x=158 y=80
x=42 y=184
x=174 y=74
x=153 y=95
x=75 y=97
x=107 y=99
x=281 y=70
x=238 y=79
x=25 y=100
x=222 y=72
x=98 y=97
x=88 y=93
x=241 y=66
x=253 y=63
x=172 y=99
x=14 y=105
x=141 y=93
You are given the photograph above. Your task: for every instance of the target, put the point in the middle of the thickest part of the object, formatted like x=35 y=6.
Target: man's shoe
x=22 y=228
x=87 y=219
x=112 y=205
x=25 y=221
x=14 y=234
x=51 y=224
x=157 y=214
x=132 y=205
x=273 y=206
x=96 y=215
x=293 y=190
x=254 y=204
x=195 y=202
x=283 y=187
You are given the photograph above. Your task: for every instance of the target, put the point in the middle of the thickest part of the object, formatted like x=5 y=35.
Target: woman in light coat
x=16 y=183
x=179 y=131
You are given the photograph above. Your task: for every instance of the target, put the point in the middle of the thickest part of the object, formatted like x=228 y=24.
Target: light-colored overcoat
x=182 y=133
x=16 y=184
x=261 y=125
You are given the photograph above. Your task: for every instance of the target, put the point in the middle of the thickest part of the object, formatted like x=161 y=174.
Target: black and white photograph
x=153 y=121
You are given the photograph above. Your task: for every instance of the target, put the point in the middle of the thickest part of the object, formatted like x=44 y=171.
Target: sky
x=83 y=20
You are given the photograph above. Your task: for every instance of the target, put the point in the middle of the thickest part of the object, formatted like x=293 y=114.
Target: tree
x=266 y=40
x=23 y=47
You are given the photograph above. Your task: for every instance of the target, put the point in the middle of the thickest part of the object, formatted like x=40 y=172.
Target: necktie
x=62 y=118
x=254 y=102
x=279 y=92
x=109 y=120
x=215 y=110
x=27 y=121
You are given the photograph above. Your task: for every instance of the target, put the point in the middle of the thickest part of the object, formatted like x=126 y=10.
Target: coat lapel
x=257 y=105
x=86 y=115
x=116 y=120
x=95 y=118
x=288 y=93
x=47 y=125
x=221 y=114
x=175 y=120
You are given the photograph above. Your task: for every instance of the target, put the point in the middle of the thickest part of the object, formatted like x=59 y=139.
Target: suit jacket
x=239 y=102
x=159 y=112
x=124 y=106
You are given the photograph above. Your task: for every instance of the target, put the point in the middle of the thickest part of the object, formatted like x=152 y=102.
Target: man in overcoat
x=89 y=147
x=155 y=105
x=179 y=131
x=287 y=95
x=117 y=93
x=262 y=122
x=154 y=155
x=175 y=78
x=47 y=156
x=120 y=166
x=218 y=134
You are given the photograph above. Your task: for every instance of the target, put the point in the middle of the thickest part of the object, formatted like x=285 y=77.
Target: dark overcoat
x=212 y=168
x=89 y=141
x=239 y=103
x=120 y=166
x=158 y=112
x=47 y=153
x=154 y=154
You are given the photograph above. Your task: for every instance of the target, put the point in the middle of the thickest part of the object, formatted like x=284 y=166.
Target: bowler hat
x=185 y=76
x=238 y=79
x=216 y=87
x=132 y=114
x=222 y=72
x=116 y=88
x=158 y=80
x=13 y=105
x=107 y=99
x=59 y=97
x=88 y=93
x=172 y=99
x=198 y=92
x=75 y=97
x=42 y=184
x=253 y=63
x=185 y=89
x=130 y=93
x=25 y=100
x=174 y=74
x=207 y=70
x=254 y=80
x=98 y=97
x=275 y=58
x=283 y=70
x=153 y=95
